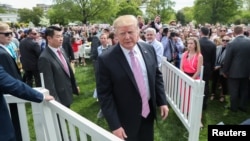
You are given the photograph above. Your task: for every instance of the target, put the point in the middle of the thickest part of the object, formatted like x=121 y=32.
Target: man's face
x=5 y=36
x=150 y=36
x=157 y=19
x=33 y=34
x=127 y=36
x=104 y=40
x=57 y=39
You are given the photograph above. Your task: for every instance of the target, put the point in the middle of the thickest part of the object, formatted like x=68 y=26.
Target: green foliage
x=213 y=11
x=128 y=8
x=27 y=15
x=2 y=10
x=185 y=15
x=160 y=7
x=89 y=10
x=58 y=14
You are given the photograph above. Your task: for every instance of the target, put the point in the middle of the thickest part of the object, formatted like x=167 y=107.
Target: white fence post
x=196 y=110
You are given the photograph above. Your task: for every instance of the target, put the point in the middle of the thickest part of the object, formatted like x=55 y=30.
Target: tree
x=27 y=15
x=185 y=15
x=2 y=10
x=160 y=7
x=90 y=10
x=58 y=15
x=246 y=4
x=128 y=8
x=213 y=11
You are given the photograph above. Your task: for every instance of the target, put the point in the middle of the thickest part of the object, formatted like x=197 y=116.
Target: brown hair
x=197 y=44
x=238 y=29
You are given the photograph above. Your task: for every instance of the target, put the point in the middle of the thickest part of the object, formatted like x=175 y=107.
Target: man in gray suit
x=236 y=69
x=59 y=78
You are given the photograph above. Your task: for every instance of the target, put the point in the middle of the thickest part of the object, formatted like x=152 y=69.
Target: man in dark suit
x=237 y=68
x=30 y=52
x=67 y=45
x=59 y=78
x=129 y=101
x=21 y=90
x=9 y=64
x=208 y=51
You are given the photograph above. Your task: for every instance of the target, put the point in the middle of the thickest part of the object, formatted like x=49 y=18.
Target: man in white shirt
x=150 y=35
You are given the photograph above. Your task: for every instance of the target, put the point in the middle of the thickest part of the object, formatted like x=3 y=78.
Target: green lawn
x=169 y=130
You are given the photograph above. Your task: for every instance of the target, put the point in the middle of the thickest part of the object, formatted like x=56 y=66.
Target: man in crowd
x=130 y=84
x=7 y=60
x=150 y=34
x=59 y=78
x=30 y=52
x=208 y=51
x=10 y=85
x=236 y=69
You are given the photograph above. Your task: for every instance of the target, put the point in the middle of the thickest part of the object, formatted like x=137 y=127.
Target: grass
x=169 y=130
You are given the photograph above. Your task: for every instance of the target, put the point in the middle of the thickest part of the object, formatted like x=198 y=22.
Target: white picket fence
x=185 y=96
x=46 y=114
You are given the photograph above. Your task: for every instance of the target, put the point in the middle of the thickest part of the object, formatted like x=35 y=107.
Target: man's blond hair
x=4 y=26
x=125 y=20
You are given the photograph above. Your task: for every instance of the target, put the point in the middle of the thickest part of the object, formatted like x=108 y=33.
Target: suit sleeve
x=17 y=88
x=227 y=60
x=44 y=66
x=105 y=96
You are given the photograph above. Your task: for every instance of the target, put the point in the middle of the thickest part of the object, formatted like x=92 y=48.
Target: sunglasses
x=6 y=34
x=225 y=40
x=222 y=30
x=34 y=33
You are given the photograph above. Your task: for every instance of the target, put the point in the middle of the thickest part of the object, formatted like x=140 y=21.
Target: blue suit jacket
x=16 y=88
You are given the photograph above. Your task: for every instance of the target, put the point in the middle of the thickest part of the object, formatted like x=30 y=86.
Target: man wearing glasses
x=30 y=52
x=9 y=64
x=236 y=69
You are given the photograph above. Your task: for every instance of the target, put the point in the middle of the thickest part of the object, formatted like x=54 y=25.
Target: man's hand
x=164 y=111
x=120 y=133
x=224 y=75
x=48 y=97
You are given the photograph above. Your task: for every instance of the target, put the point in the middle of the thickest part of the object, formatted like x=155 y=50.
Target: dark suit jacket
x=237 y=60
x=208 y=51
x=56 y=80
x=30 y=52
x=14 y=87
x=67 y=47
x=9 y=64
x=95 y=43
x=117 y=90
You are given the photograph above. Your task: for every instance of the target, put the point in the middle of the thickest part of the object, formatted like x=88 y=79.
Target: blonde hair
x=4 y=26
x=217 y=41
x=197 y=44
x=125 y=20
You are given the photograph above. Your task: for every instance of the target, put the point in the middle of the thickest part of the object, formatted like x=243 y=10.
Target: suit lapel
x=58 y=60
x=124 y=63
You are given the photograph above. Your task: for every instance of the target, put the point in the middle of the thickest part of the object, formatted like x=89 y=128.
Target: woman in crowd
x=191 y=63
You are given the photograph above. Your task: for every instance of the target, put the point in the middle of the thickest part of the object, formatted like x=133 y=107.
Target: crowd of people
x=127 y=58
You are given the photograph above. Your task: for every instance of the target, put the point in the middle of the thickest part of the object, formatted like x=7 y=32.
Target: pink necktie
x=137 y=71
x=63 y=61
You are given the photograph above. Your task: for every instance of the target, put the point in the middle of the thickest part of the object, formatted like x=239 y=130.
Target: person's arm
x=105 y=96
x=10 y=85
x=200 y=62
x=158 y=26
